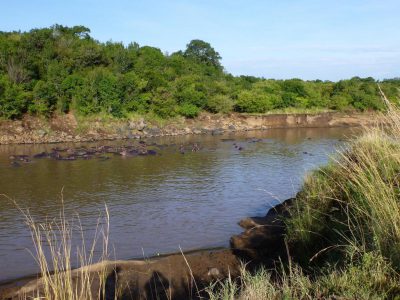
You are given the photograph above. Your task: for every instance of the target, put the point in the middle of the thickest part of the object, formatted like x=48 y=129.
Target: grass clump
x=354 y=200
x=66 y=272
x=369 y=278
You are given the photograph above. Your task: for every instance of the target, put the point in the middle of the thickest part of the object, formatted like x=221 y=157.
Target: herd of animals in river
x=105 y=152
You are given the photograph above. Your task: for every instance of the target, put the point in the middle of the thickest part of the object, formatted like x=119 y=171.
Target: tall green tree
x=202 y=51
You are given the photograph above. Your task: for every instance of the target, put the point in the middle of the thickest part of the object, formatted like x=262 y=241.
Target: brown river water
x=159 y=203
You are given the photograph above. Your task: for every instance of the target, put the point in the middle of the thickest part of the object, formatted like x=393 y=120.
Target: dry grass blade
x=64 y=271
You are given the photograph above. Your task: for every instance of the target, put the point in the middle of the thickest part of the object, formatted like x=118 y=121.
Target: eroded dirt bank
x=66 y=128
x=179 y=276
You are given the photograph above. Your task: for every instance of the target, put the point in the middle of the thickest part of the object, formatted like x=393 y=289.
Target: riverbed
x=189 y=195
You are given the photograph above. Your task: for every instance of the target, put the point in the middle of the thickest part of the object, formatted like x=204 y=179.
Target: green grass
x=370 y=278
x=295 y=110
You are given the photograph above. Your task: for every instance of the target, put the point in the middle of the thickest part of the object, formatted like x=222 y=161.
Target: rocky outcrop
x=263 y=238
x=65 y=128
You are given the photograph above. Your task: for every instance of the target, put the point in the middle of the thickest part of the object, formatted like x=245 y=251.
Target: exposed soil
x=182 y=276
x=66 y=128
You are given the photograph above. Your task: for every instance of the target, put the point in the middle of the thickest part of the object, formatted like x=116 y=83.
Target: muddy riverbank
x=181 y=275
x=66 y=128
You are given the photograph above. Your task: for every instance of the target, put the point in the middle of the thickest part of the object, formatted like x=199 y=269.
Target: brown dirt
x=175 y=276
x=183 y=276
x=66 y=128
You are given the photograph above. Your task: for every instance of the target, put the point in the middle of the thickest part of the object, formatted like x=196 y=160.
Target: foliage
x=220 y=104
x=188 y=110
x=203 y=52
x=370 y=277
x=63 y=68
x=13 y=99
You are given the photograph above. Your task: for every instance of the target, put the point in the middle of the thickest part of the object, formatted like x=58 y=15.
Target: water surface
x=159 y=203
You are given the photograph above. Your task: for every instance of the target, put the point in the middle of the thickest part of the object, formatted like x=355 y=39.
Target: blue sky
x=308 y=39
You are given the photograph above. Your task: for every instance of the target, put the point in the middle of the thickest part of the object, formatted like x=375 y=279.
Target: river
x=159 y=203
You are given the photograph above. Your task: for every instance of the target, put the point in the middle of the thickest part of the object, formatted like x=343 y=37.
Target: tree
x=202 y=52
x=63 y=68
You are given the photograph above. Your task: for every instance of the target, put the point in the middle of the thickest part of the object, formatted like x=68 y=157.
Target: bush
x=44 y=99
x=253 y=102
x=188 y=110
x=220 y=104
x=162 y=104
x=192 y=95
x=13 y=99
x=340 y=102
x=100 y=92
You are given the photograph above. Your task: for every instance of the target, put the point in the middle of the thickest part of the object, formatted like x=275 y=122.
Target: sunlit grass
x=64 y=271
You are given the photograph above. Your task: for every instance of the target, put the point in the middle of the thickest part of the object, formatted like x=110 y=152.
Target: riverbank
x=178 y=276
x=68 y=128
x=342 y=236
x=183 y=276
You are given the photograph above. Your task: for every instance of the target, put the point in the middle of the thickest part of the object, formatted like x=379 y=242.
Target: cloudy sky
x=308 y=39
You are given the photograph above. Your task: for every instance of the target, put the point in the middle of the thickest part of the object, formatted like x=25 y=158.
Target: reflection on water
x=158 y=203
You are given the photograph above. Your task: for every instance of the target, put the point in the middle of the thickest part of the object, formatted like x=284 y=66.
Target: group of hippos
x=105 y=152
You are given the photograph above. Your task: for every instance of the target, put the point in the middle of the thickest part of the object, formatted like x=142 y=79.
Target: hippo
x=81 y=152
x=181 y=149
x=55 y=155
x=103 y=158
x=57 y=149
x=151 y=152
x=41 y=155
x=195 y=147
x=69 y=157
x=15 y=164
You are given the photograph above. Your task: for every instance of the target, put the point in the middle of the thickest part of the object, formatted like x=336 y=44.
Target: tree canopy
x=202 y=52
x=60 y=69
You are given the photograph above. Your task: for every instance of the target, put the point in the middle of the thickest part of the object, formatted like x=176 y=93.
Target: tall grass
x=344 y=229
x=354 y=200
x=55 y=254
x=371 y=278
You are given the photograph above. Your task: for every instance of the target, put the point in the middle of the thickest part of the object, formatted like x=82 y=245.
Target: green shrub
x=192 y=95
x=163 y=104
x=13 y=99
x=44 y=98
x=340 y=102
x=220 y=104
x=253 y=102
x=188 y=110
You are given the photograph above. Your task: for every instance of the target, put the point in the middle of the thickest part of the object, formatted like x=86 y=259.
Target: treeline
x=59 y=69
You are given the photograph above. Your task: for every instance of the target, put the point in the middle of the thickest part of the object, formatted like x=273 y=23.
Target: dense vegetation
x=62 y=69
